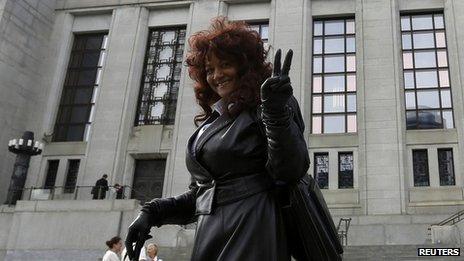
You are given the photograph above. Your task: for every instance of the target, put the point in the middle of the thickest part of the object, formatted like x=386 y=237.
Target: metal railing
x=80 y=193
x=342 y=229
x=453 y=219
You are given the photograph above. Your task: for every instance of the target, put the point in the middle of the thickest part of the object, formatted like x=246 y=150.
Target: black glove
x=277 y=90
x=138 y=233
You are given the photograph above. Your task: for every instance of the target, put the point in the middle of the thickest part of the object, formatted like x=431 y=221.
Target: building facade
x=104 y=85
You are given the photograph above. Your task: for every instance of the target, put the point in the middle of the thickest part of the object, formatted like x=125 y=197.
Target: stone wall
x=25 y=28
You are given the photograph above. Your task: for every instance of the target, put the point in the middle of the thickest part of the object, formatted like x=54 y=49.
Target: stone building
x=103 y=85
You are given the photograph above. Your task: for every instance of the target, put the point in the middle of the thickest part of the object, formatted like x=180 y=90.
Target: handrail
x=343 y=234
x=453 y=219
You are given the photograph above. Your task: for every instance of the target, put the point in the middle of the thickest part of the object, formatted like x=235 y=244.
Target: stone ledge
x=76 y=205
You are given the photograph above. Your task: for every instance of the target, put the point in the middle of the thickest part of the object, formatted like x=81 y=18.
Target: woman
x=152 y=252
x=250 y=138
x=115 y=247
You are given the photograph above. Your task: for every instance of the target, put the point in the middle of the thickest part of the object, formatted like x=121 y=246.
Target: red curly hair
x=235 y=42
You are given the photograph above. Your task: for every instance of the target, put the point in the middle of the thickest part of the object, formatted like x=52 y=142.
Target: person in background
x=152 y=252
x=100 y=188
x=114 y=249
x=119 y=190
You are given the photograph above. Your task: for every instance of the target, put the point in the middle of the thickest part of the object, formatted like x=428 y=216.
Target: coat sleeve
x=287 y=153
x=178 y=210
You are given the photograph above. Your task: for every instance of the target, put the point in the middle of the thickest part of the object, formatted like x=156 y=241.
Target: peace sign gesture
x=277 y=90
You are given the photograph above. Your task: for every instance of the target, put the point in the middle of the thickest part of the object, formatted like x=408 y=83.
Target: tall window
x=71 y=176
x=345 y=169
x=80 y=89
x=426 y=72
x=446 y=167
x=52 y=169
x=161 y=76
x=263 y=31
x=334 y=76
x=420 y=166
x=321 y=169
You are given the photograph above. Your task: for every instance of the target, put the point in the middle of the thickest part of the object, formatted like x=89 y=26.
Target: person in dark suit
x=250 y=139
x=100 y=188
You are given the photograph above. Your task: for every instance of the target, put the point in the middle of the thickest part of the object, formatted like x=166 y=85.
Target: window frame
x=345 y=113
x=437 y=69
x=169 y=99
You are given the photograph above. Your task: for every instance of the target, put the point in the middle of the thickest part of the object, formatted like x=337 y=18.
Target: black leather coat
x=234 y=167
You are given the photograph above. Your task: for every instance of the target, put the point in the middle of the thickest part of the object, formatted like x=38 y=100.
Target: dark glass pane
x=345 y=170
x=79 y=114
x=71 y=176
x=94 y=42
x=52 y=169
x=60 y=133
x=71 y=78
x=446 y=167
x=87 y=77
x=411 y=120
x=79 y=42
x=321 y=169
x=83 y=95
x=67 y=96
x=75 y=60
x=63 y=114
x=90 y=59
x=420 y=168
x=75 y=132
x=429 y=120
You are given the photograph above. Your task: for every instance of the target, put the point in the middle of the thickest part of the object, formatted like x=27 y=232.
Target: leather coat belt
x=218 y=193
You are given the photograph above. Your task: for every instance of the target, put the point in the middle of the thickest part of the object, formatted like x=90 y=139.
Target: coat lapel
x=216 y=126
x=192 y=162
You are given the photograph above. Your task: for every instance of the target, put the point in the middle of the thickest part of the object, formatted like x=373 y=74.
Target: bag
x=311 y=232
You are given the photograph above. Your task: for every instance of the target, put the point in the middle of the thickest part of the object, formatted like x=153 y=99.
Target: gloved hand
x=138 y=233
x=277 y=90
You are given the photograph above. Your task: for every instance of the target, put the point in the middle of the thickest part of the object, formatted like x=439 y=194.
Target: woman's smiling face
x=221 y=75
